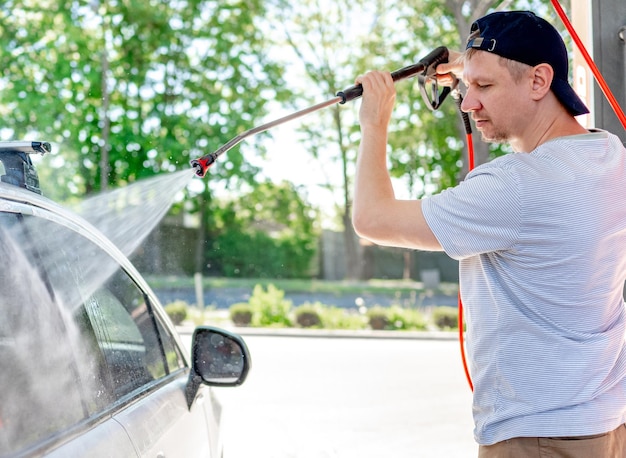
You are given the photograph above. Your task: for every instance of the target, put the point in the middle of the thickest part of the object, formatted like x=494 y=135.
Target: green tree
x=324 y=42
x=127 y=89
x=269 y=232
x=150 y=84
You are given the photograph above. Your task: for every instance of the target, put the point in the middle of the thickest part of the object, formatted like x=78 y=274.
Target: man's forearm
x=373 y=186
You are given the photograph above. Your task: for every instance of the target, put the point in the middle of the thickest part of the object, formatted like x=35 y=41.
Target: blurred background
x=129 y=90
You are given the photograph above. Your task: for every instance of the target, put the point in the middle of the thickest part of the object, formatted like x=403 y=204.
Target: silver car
x=90 y=364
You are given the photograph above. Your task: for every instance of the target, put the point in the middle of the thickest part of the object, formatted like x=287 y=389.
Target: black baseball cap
x=524 y=37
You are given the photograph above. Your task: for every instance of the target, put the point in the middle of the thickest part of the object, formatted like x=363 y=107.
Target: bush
x=445 y=317
x=405 y=319
x=378 y=318
x=395 y=318
x=270 y=308
x=240 y=314
x=308 y=315
x=339 y=318
x=177 y=311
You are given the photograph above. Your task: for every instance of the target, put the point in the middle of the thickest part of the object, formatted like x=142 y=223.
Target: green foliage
x=136 y=87
x=240 y=314
x=177 y=311
x=318 y=315
x=269 y=307
x=268 y=233
x=339 y=318
x=237 y=253
x=445 y=317
x=405 y=319
x=396 y=318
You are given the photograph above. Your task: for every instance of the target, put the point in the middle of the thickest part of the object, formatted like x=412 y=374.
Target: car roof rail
x=16 y=167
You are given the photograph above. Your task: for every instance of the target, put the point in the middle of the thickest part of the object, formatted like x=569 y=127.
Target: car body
x=90 y=364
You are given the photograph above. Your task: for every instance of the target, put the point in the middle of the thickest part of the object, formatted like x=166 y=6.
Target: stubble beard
x=497 y=136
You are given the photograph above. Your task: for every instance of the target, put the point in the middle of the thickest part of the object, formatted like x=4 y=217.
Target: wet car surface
x=91 y=364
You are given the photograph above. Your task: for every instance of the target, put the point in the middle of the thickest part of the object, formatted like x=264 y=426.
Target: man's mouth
x=480 y=123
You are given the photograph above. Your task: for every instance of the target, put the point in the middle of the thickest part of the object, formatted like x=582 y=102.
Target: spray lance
x=425 y=69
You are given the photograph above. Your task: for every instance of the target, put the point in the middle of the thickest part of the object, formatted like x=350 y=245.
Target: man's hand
x=379 y=95
x=449 y=73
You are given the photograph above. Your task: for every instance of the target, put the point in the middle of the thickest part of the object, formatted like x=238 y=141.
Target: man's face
x=499 y=105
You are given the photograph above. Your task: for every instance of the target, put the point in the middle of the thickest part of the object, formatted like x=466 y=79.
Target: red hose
x=592 y=66
x=470 y=166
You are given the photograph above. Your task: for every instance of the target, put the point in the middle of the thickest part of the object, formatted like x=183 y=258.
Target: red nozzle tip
x=201 y=165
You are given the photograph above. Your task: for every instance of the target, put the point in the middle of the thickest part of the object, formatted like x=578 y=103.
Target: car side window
x=77 y=335
x=126 y=336
x=127 y=333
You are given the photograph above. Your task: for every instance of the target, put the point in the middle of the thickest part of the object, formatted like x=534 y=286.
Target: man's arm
x=377 y=215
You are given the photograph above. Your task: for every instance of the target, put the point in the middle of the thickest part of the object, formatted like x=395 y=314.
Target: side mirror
x=218 y=358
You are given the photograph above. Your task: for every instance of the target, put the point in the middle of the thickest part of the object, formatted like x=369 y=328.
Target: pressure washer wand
x=436 y=57
x=202 y=164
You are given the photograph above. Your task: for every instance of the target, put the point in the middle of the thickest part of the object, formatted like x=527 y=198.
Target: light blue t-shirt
x=541 y=240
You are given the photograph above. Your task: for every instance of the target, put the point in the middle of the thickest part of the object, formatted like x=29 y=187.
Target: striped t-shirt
x=541 y=240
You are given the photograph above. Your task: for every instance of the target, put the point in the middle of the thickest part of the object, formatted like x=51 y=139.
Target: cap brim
x=568 y=97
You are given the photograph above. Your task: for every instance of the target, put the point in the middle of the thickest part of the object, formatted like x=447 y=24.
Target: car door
x=162 y=426
x=47 y=407
x=90 y=363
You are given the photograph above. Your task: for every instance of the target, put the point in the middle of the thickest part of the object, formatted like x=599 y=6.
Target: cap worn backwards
x=524 y=37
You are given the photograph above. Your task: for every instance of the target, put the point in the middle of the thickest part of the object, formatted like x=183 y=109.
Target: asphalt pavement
x=364 y=395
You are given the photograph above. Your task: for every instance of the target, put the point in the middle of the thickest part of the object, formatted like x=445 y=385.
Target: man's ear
x=541 y=80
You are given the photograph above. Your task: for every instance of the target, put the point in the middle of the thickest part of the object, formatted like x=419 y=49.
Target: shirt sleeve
x=480 y=215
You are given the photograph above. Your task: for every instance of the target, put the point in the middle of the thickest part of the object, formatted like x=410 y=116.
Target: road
x=349 y=397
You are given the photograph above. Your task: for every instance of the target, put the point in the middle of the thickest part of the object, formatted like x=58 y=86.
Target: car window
x=126 y=335
x=78 y=337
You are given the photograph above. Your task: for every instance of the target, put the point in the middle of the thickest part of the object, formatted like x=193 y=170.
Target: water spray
x=425 y=68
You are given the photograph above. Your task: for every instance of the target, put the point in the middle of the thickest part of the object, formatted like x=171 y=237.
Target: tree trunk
x=354 y=251
x=199 y=261
x=104 y=111
x=406 y=272
x=479 y=8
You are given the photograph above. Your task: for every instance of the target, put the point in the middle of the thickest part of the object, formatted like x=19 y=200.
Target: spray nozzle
x=202 y=164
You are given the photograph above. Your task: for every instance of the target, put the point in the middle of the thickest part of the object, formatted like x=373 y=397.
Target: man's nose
x=470 y=103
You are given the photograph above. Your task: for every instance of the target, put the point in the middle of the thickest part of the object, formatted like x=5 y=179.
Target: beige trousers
x=609 y=445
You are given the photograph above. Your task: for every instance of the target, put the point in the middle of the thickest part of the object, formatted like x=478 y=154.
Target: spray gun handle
x=434 y=58
x=434 y=97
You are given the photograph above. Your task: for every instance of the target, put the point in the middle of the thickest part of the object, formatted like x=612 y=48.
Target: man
x=540 y=235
